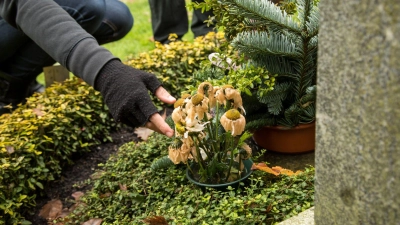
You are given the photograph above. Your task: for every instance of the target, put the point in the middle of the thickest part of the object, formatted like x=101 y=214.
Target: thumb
x=158 y=124
x=164 y=96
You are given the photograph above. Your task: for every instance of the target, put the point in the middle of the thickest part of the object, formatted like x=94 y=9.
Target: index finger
x=164 y=95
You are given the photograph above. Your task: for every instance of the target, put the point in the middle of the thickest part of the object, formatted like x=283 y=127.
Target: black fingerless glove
x=125 y=92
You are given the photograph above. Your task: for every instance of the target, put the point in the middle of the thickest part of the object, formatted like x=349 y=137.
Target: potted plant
x=285 y=44
x=210 y=137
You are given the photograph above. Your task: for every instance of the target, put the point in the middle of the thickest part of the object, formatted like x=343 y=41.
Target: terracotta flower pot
x=299 y=139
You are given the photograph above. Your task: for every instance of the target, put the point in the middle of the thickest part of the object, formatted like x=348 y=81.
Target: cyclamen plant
x=209 y=133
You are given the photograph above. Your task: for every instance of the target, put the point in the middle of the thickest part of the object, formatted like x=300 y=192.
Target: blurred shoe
x=14 y=91
x=35 y=87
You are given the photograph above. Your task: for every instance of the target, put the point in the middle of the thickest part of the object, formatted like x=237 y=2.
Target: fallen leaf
x=268 y=209
x=77 y=195
x=276 y=170
x=143 y=132
x=10 y=149
x=105 y=195
x=93 y=222
x=123 y=187
x=38 y=110
x=156 y=220
x=256 y=166
x=52 y=209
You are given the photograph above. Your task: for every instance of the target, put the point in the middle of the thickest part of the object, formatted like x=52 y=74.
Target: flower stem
x=199 y=157
x=229 y=169
x=190 y=169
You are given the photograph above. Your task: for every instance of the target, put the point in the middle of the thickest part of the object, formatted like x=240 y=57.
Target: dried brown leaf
x=10 y=149
x=52 y=209
x=77 y=195
x=38 y=110
x=123 y=187
x=93 y=222
x=105 y=195
x=156 y=220
x=143 y=133
x=276 y=170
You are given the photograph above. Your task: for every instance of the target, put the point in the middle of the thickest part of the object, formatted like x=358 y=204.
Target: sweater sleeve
x=57 y=33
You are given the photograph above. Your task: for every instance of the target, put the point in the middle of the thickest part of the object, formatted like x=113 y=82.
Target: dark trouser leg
x=22 y=60
x=198 y=27
x=116 y=23
x=107 y=20
x=167 y=17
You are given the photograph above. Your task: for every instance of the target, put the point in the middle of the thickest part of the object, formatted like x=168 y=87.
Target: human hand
x=157 y=122
x=125 y=92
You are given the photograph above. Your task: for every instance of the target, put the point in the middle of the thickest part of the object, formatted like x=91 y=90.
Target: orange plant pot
x=299 y=139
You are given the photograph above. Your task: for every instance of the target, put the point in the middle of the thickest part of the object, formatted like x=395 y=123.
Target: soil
x=86 y=164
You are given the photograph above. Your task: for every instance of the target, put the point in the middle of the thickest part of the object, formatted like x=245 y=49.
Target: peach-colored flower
x=181 y=154
x=233 y=121
x=198 y=105
x=174 y=155
x=220 y=95
x=207 y=86
x=233 y=94
x=178 y=115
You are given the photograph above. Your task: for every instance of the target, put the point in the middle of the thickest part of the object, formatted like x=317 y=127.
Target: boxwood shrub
x=39 y=137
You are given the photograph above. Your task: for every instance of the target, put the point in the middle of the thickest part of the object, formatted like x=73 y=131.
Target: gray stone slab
x=357 y=159
x=304 y=218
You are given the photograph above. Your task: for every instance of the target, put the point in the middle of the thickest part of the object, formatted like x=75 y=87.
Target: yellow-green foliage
x=38 y=138
x=174 y=63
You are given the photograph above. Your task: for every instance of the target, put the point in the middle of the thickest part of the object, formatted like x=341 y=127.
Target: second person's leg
x=198 y=26
x=168 y=17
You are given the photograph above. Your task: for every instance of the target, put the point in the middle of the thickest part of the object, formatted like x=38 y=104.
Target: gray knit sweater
x=47 y=24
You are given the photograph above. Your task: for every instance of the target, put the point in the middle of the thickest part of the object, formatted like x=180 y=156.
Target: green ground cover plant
x=39 y=137
x=128 y=191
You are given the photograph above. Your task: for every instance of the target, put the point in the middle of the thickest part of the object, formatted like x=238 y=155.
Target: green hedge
x=38 y=138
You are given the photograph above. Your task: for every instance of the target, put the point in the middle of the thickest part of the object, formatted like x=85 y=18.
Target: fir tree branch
x=264 y=11
x=263 y=43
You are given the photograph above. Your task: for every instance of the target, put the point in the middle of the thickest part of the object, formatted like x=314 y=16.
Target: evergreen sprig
x=288 y=48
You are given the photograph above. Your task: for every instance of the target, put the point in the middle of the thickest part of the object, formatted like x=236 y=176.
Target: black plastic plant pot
x=223 y=187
